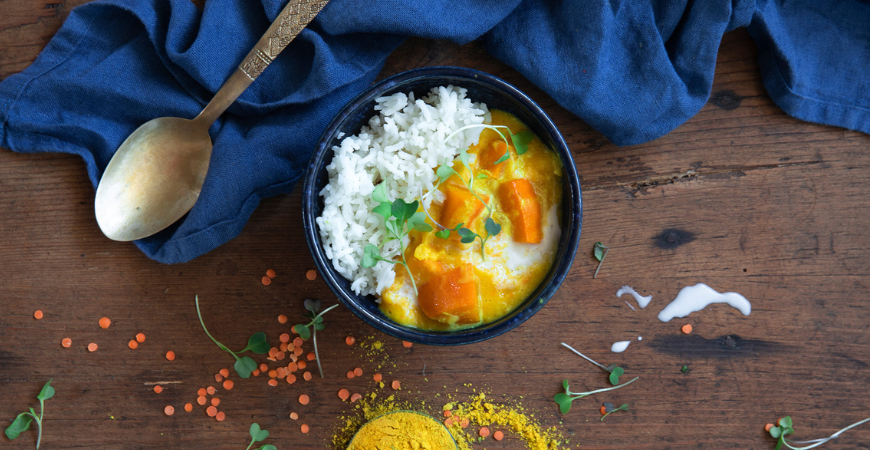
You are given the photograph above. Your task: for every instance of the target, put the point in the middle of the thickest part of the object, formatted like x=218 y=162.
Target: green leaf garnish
x=521 y=141
x=615 y=374
x=684 y=369
x=256 y=343
x=310 y=329
x=22 y=421
x=380 y=193
x=600 y=252
x=443 y=234
x=259 y=435
x=19 y=425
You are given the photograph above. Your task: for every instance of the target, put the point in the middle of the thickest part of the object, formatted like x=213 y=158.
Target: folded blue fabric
x=633 y=70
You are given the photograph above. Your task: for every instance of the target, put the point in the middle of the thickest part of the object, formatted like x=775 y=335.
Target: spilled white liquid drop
x=695 y=298
x=640 y=338
x=619 y=347
x=641 y=300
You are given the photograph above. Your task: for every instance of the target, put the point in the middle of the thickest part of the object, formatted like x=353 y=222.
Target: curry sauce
x=458 y=286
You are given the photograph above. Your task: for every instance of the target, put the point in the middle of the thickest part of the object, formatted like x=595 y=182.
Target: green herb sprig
x=257 y=343
x=599 y=251
x=22 y=422
x=399 y=219
x=259 y=435
x=622 y=407
x=614 y=370
x=784 y=428
x=564 y=399
x=310 y=329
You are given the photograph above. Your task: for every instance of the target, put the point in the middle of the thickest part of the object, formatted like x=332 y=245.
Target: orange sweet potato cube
x=452 y=297
x=519 y=202
x=460 y=206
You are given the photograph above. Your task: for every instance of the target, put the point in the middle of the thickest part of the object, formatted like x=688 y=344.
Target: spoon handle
x=292 y=19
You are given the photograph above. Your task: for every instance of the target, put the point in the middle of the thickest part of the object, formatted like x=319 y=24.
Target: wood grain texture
x=742 y=197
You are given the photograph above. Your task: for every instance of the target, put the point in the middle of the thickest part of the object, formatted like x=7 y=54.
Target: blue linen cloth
x=634 y=70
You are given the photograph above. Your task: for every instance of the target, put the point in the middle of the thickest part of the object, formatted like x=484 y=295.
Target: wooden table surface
x=742 y=198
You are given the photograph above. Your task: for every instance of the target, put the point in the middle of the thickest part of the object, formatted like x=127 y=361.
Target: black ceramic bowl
x=497 y=94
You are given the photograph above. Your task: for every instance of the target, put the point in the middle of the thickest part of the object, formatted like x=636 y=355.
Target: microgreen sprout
x=310 y=329
x=784 y=428
x=22 y=422
x=399 y=219
x=622 y=407
x=564 y=399
x=614 y=370
x=259 y=435
x=599 y=251
x=257 y=343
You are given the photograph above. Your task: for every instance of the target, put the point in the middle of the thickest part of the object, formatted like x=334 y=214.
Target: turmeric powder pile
x=402 y=430
x=462 y=418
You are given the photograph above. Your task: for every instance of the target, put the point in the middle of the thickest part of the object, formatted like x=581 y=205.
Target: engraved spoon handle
x=292 y=19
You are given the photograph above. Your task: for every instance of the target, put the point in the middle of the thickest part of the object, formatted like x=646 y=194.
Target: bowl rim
x=518 y=315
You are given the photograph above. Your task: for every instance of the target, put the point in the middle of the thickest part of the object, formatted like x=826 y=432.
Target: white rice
x=400 y=146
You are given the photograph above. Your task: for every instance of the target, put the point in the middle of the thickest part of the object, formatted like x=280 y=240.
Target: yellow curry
x=458 y=286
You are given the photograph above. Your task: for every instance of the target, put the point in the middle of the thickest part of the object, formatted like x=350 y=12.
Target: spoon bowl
x=160 y=167
x=157 y=173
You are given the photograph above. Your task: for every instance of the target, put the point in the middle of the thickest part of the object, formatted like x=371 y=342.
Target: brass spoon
x=157 y=173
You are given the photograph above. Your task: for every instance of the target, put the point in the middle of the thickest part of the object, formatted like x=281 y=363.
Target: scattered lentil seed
x=66 y=342
x=306 y=376
x=291 y=378
x=687 y=328
x=304 y=428
x=140 y=337
x=169 y=410
x=188 y=407
x=350 y=374
x=311 y=356
x=498 y=435
x=273 y=382
x=343 y=394
x=294 y=416
x=218 y=377
x=358 y=371
x=311 y=275
x=396 y=385
x=37 y=314
x=266 y=281
x=301 y=365
x=284 y=337
x=215 y=401
x=378 y=377
x=133 y=344
x=350 y=340
x=483 y=432
x=228 y=384
x=225 y=372
x=303 y=399
x=92 y=347
x=282 y=318
x=211 y=390
x=158 y=388
x=201 y=392
x=211 y=411
x=105 y=322
x=170 y=355
x=270 y=273
x=407 y=344
x=220 y=416
x=355 y=397
x=201 y=400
